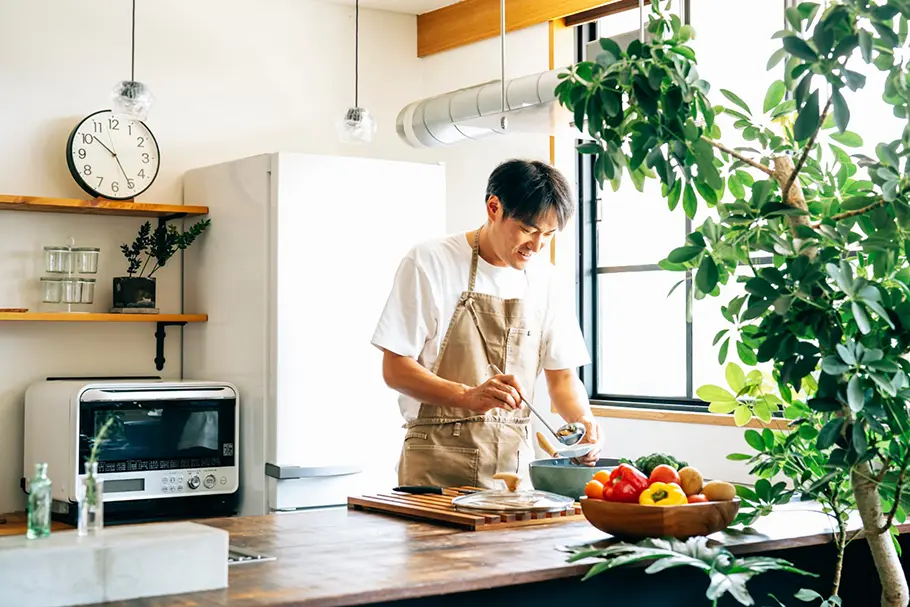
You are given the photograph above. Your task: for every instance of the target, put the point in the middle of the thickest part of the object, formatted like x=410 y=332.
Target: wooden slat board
x=439 y=509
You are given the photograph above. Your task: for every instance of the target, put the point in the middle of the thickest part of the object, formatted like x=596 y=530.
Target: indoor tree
x=818 y=237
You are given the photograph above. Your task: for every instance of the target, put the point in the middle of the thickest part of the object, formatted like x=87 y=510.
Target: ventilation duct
x=476 y=112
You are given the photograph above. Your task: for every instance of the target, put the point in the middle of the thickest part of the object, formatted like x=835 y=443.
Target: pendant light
x=357 y=125
x=131 y=98
x=503 y=122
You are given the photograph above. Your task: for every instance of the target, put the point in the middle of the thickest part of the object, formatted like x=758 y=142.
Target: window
x=650 y=348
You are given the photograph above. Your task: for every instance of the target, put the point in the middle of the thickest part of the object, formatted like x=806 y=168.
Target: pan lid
x=494 y=500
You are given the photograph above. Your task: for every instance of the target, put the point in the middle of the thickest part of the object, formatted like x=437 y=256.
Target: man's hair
x=528 y=189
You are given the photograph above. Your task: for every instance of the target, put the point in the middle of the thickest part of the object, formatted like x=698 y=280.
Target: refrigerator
x=293 y=273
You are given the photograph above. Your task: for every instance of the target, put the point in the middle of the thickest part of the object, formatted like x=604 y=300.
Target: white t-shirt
x=428 y=284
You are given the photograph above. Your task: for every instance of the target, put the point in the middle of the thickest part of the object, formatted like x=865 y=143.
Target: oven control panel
x=169 y=483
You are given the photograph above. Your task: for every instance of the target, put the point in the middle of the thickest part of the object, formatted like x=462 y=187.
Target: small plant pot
x=134 y=292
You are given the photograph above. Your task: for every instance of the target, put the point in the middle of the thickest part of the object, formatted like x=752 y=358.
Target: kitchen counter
x=337 y=557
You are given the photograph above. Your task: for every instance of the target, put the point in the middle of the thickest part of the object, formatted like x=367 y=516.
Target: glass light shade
x=132 y=99
x=357 y=126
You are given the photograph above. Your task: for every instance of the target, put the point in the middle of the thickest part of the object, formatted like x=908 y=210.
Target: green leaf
x=722 y=352
x=707 y=276
x=794 y=18
x=736 y=378
x=742 y=415
x=799 y=48
x=854 y=80
x=860 y=443
x=808 y=120
x=862 y=321
x=762 y=411
x=736 y=187
x=833 y=366
x=829 y=433
x=774 y=95
x=684 y=51
x=690 y=203
x=865 y=45
x=807 y=595
x=887 y=155
x=707 y=192
x=746 y=354
x=736 y=99
x=841 y=111
x=848 y=138
x=855 y=394
x=846 y=354
x=738 y=457
x=674 y=194
x=684 y=254
x=776 y=58
x=724 y=407
x=715 y=394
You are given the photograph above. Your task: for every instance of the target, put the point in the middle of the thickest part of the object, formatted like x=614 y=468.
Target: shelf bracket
x=166 y=218
x=160 y=334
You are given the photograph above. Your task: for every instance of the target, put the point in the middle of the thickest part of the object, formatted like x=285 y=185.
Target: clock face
x=112 y=156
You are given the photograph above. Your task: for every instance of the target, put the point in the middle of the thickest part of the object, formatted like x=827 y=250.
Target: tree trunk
x=783 y=168
x=894 y=584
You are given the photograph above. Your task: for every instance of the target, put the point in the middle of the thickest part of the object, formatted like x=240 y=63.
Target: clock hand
x=104 y=146
x=116 y=157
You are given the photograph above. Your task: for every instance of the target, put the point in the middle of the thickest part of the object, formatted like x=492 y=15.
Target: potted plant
x=831 y=311
x=135 y=292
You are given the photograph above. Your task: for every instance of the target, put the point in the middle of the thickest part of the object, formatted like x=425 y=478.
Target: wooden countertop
x=337 y=557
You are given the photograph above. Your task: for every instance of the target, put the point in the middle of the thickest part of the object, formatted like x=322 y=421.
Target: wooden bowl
x=637 y=521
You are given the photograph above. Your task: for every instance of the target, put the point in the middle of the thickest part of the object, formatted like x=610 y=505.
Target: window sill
x=685 y=417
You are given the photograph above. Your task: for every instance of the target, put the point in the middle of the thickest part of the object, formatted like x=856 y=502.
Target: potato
x=719 y=491
x=690 y=480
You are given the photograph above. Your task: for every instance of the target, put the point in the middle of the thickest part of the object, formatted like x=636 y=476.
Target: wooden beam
x=471 y=21
x=600 y=12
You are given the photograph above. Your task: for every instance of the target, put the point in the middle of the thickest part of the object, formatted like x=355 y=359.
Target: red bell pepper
x=626 y=484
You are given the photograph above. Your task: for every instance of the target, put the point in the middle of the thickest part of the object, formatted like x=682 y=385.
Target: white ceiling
x=412 y=7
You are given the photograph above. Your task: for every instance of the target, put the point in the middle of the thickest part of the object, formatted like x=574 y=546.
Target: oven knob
x=209 y=481
x=193 y=482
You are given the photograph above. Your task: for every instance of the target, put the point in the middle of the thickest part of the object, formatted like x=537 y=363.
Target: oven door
x=163 y=441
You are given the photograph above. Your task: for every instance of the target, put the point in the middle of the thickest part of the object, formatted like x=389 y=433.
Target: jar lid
x=51 y=279
x=86 y=280
x=88 y=249
x=58 y=248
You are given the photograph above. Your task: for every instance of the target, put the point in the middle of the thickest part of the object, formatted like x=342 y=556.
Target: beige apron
x=450 y=446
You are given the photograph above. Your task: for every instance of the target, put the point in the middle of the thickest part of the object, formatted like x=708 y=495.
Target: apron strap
x=475 y=254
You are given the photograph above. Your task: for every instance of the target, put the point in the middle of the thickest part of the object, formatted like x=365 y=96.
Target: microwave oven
x=171 y=451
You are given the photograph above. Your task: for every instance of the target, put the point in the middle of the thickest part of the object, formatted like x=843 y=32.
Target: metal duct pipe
x=475 y=112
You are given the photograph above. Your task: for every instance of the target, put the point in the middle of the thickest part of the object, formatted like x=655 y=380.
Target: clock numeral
x=100 y=181
x=87 y=138
x=129 y=128
x=141 y=141
x=87 y=169
x=97 y=126
x=145 y=159
x=142 y=173
x=81 y=153
x=130 y=184
x=115 y=186
x=113 y=124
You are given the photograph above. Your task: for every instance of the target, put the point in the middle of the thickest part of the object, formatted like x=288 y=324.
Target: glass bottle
x=91 y=502
x=39 y=503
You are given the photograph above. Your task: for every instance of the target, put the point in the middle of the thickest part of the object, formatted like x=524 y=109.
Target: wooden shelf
x=97 y=207
x=100 y=317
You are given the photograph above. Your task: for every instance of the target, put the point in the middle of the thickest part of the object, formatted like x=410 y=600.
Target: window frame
x=589 y=214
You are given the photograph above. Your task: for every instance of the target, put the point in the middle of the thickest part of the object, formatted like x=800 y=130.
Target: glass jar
x=85 y=260
x=39 y=504
x=58 y=260
x=51 y=289
x=72 y=290
x=87 y=286
x=90 y=495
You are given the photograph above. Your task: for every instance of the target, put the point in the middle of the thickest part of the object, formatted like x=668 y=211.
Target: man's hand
x=500 y=391
x=592 y=436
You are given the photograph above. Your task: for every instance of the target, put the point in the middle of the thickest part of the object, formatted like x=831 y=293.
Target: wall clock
x=112 y=156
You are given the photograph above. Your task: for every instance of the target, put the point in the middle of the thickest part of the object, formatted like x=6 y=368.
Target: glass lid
x=512 y=501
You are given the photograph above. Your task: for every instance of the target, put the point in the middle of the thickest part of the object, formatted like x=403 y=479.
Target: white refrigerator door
x=342 y=226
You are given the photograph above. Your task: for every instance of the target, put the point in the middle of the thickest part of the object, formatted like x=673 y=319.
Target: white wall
x=232 y=78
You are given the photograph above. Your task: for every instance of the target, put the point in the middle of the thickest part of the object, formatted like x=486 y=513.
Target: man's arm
x=406 y=375
x=570 y=400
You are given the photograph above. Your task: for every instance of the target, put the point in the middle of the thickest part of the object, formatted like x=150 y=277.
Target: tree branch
x=889 y=519
x=807 y=149
x=846 y=214
x=738 y=156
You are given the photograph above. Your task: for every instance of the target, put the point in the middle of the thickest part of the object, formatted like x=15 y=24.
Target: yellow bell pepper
x=663 y=494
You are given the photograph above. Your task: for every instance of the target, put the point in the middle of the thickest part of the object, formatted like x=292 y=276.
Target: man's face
x=515 y=242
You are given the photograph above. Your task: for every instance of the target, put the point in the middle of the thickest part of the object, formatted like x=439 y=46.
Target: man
x=466 y=307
